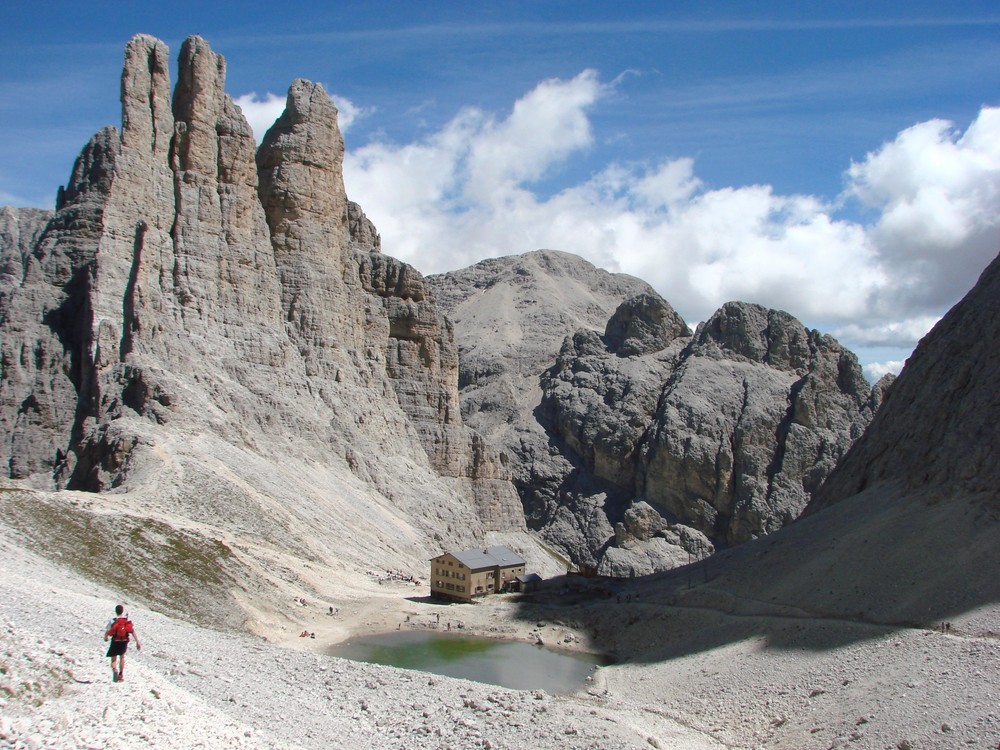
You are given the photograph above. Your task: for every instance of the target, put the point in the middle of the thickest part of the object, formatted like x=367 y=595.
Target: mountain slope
x=942 y=430
x=208 y=335
x=872 y=621
x=640 y=444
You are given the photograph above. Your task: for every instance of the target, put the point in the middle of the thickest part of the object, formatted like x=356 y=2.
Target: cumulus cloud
x=935 y=191
x=262 y=111
x=349 y=112
x=466 y=192
x=463 y=193
x=546 y=125
x=899 y=333
x=876 y=370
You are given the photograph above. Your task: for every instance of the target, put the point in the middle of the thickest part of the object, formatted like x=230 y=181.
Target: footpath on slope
x=195 y=687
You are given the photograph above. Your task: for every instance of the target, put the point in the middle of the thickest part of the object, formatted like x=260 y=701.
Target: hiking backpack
x=120 y=629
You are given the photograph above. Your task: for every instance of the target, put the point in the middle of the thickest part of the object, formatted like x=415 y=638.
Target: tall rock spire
x=147 y=122
x=176 y=296
x=135 y=244
x=224 y=272
x=300 y=166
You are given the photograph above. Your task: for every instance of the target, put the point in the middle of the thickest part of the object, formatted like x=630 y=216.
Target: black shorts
x=117 y=648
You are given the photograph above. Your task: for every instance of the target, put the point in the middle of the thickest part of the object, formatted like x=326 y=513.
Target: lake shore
x=690 y=674
x=396 y=605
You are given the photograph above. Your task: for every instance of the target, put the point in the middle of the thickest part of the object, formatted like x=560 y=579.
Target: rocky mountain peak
x=752 y=332
x=300 y=163
x=207 y=123
x=643 y=324
x=147 y=116
x=197 y=304
x=724 y=434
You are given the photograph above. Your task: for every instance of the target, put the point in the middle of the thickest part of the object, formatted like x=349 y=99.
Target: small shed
x=528 y=582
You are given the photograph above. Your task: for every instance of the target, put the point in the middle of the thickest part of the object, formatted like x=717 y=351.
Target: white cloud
x=349 y=112
x=876 y=370
x=546 y=125
x=261 y=112
x=465 y=192
x=893 y=333
x=936 y=191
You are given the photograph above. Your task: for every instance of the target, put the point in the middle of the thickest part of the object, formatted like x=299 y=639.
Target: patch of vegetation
x=180 y=571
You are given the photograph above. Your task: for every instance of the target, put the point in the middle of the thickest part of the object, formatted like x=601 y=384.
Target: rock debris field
x=196 y=687
x=193 y=687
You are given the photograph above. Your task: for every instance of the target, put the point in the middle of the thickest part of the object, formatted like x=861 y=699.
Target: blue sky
x=838 y=161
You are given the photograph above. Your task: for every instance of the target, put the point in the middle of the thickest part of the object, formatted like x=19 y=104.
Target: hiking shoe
x=121 y=677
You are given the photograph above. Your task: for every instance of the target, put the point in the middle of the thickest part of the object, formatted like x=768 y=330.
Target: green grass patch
x=180 y=571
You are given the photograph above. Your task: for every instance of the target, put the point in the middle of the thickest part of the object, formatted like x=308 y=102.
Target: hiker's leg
x=121 y=666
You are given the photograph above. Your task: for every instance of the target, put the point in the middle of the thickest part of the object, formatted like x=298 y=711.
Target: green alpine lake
x=510 y=664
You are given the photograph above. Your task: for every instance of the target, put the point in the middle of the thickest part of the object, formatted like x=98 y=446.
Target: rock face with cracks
x=724 y=434
x=213 y=322
x=192 y=289
x=942 y=422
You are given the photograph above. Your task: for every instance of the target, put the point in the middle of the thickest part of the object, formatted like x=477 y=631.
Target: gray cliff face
x=723 y=434
x=422 y=365
x=750 y=423
x=938 y=428
x=20 y=229
x=511 y=315
x=37 y=395
x=191 y=290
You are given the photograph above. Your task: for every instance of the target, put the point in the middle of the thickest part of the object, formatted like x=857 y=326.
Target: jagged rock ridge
x=195 y=303
x=725 y=433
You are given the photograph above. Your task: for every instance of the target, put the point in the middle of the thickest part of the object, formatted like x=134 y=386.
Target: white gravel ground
x=718 y=664
x=193 y=687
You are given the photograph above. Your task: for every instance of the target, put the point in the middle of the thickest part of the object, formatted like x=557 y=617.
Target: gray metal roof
x=488 y=557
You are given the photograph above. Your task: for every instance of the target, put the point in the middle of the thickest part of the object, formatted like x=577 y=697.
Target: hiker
x=119 y=631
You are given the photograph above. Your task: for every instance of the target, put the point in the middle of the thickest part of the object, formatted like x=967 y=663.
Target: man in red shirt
x=119 y=631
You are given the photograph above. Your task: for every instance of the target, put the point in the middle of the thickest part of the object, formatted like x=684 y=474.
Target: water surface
x=521 y=666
